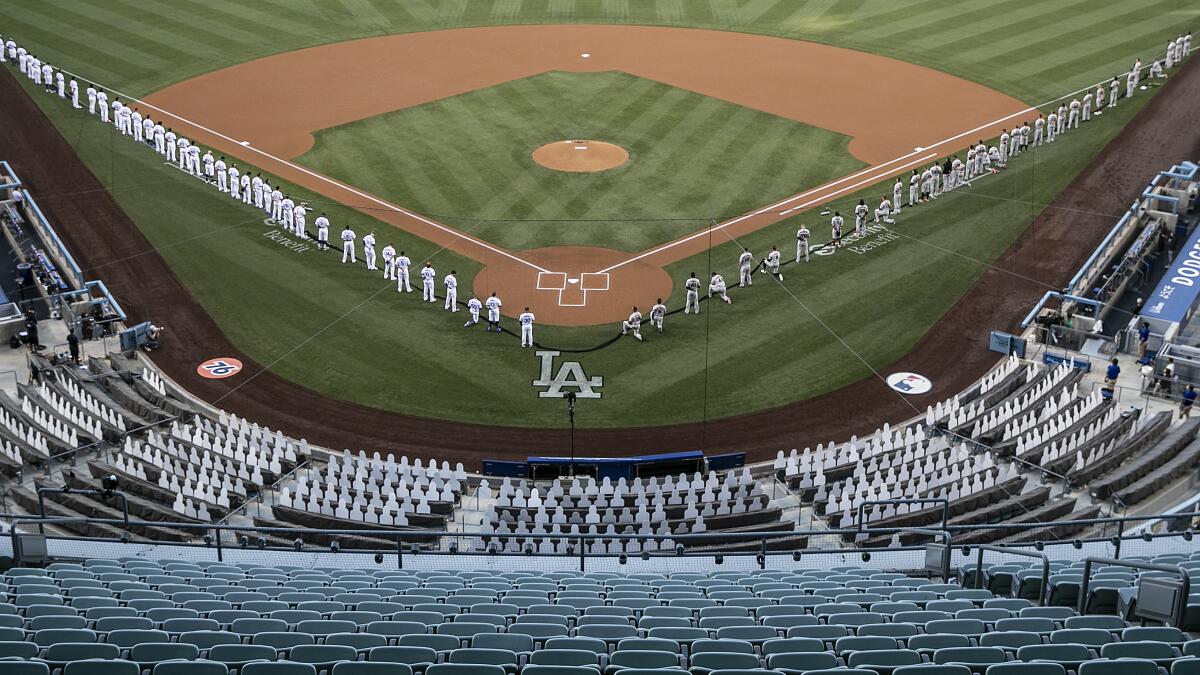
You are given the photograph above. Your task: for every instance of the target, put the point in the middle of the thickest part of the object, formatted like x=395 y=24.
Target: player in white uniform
x=884 y=212
x=369 y=251
x=322 y=223
x=1114 y=90
x=235 y=181
x=256 y=186
x=1039 y=128
x=91 y=97
x=914 y=188
x=634 y=324
x=247 y=193
x=222 y=170
x=102 y=105
x=450 y=283
x=389 y=262
x=526 y=319
x=772 y=262
x=860 y=218
x=287 y=208
x=493 y=316
x=836 y=223
x=897 y=194
x=1073 y=119
x=74 y=87
x=402 y=265
x=427 y=277
x=194 y=160
x=802 y=237
x=277 y=206
x=657 y=313
x=210 y=167
x=298 y=214
x=692 y=287
x=348 y=238
x=744 y=275
x=473 y=306
x=717 y=285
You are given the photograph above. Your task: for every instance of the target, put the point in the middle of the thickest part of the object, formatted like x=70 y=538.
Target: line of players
x=923 y=186
x=929 y=183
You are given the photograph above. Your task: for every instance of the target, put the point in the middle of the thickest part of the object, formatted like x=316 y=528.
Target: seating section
x=174 y=465
x=522 y=515
x=135 y=616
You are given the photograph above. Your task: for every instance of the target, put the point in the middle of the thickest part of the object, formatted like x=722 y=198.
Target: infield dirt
x=953 y=353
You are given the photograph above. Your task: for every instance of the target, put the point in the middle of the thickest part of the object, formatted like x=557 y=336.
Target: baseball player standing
x=744 y=262
x=634 y=323
x=692 y=288
x=348 y=237
x=427 y=277
x=493 y=307
x=402 y=265
x=860 y=218
x=717 y=285
x=914 y=188
x=836 y=223
x=802 y=237
x=526 y=319
x=657 y=313
x=450 y=283
x=897 y=193
x=1114 y=90
x=369 y=250
x=473 y=306
x=389 y=262
x=298 y=215
x=322 y=224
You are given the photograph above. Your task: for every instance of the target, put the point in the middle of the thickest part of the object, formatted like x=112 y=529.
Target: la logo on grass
x=570 y=374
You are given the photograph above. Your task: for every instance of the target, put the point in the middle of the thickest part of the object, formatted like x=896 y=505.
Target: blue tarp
x=1175 y=297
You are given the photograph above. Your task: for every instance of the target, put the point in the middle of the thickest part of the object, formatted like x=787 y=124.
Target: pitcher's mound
x=580 y=156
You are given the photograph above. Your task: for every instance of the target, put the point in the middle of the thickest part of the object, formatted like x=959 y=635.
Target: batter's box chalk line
x=587 y=282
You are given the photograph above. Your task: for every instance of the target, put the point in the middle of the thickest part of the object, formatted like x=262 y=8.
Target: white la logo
x=570 y=374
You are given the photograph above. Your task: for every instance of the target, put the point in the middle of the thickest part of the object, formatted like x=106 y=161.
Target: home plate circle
x=911 y=384
x=219 y=368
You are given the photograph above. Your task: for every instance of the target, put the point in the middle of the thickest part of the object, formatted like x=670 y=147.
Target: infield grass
x=692 y=159
x=344 y=333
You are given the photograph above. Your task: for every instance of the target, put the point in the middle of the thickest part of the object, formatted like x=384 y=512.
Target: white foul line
x=386 y=205
x=870 y=169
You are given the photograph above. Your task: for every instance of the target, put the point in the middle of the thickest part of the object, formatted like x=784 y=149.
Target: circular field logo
x=909 y=383
x=219 y=369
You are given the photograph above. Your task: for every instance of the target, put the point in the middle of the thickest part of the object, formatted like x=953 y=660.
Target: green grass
x=1032 y=50
x=361 y=342
x=340 y=331
x=691 y=158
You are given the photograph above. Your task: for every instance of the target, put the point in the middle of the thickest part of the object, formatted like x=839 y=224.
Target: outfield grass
x=692 y=158
x=363 y=343
x=1034 y=50
x=358 y=341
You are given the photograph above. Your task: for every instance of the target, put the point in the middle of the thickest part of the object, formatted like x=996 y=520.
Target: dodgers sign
x=1176 y=294
x=570 y=374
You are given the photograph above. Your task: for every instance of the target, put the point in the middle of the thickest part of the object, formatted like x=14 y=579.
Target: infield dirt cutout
x=583 y=156
x=888 y=107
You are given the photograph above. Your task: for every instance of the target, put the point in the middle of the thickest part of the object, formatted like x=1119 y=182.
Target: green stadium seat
x=156 y=652
x=26 y=668
x=1020 y=668
x=190 y=668
x=464 y=669
x=418 y=658
x=636 y=658
x=18 y=649
x=101 y=667
x=1119 y=667
x=368 y=668
x=801 y=662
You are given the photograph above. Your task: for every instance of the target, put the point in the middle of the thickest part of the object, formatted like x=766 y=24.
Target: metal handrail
x=1185 y=588
x=1018 y=552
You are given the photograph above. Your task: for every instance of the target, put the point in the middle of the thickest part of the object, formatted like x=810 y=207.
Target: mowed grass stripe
x=1085 y=71
x=33 y=31
x=179 y=40
x=149 y=51
x=1026 y=24
x=202 y=37
x=954 y=20
x=1082 y=38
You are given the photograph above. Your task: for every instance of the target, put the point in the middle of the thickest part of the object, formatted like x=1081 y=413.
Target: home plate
x=572 y=281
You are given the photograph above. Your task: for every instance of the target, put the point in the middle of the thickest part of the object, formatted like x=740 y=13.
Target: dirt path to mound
x=952 y=353
x=898 y=115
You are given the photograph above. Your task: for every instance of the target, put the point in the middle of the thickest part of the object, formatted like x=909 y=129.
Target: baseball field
x=741 y=120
